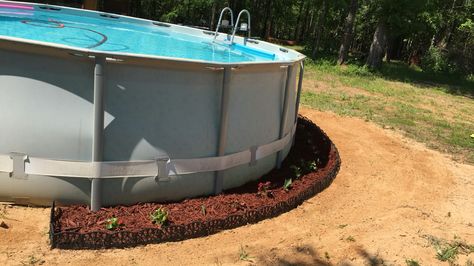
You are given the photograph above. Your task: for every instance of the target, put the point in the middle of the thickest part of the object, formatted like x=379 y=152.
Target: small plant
x=341 y=226
x=287 y=185
x=112 y=223
x=412 y=262
x=264 y=189
x=448 y=253
x=308 y=166
x=32 y=260
x=203 y=209
x=350 y=239
x=311 y=166
x=296 y=171
x=244 y=255
x=326 y=255
x=159 y=216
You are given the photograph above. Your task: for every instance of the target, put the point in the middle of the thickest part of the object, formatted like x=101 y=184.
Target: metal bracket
x=163 y=170
x=19 y=160
x=253 y=156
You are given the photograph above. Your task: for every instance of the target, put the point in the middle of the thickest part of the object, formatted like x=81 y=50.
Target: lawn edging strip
x=64 y=234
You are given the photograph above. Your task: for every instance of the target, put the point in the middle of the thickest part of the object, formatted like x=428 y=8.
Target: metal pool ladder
x=243 y=26
x=225 y=23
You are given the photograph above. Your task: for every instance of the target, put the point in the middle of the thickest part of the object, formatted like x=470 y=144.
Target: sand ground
x=391 y=195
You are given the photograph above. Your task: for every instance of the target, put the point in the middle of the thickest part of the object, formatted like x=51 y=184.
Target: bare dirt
x=391 y=195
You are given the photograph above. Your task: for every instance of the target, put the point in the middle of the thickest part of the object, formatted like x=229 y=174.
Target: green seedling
x=296 y=171
x=287 y=185
x=159 y=216
x=112 y=223
x=311 y=166
x=244 y=255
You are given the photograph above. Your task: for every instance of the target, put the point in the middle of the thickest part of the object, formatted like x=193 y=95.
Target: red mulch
x=311 y=144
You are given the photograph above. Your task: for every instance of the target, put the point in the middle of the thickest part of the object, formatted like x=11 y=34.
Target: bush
x=436 y=61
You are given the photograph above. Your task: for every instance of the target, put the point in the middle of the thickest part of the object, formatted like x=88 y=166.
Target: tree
x=348 y=28
x=394 y=19
x=378 y=46
x=320 y=28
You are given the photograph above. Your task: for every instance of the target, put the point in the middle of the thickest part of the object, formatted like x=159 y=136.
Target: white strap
x=6 y=164
x=162 y=167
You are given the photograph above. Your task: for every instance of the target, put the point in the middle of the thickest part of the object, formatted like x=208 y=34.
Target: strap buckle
x=162 y=174
x=19 y=160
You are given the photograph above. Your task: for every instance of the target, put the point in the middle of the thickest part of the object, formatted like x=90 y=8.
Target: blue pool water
x=113 y=35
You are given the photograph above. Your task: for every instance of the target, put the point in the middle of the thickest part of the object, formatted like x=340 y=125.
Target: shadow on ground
x=455 y=84
x=305 y=255
x=452 y=83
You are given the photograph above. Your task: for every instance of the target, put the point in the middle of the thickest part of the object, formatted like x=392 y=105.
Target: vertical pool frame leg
x=98 y=136
x=224 y=121
x=298 y=94
x=284 y=115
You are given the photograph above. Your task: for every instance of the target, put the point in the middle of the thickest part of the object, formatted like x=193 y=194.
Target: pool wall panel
x=46 y=108
x=154 y=107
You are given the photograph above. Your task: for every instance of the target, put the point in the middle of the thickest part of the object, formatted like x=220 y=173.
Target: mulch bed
x=75 y=227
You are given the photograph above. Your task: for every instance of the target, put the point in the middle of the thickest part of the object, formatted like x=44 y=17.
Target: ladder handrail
x=220 y=20
x=237 y=24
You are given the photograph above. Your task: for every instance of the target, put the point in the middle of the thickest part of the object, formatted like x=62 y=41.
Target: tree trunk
x=213 y=15
x=444 y=39
x=298 y=22
x=306 y=23
x=348 y=29
x=378 y=46
x=320 y=28
x=268 y=20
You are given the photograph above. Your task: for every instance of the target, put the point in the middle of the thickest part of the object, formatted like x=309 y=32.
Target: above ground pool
x=104 y=109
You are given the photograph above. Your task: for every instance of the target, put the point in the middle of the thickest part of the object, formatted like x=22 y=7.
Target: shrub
x=436 y=61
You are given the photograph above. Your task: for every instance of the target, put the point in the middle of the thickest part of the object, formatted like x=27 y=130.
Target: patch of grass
x=244 y=255
x=433 y=109
x=412 y=262
x=449 y=251
x=350 y=239
x=33 y=260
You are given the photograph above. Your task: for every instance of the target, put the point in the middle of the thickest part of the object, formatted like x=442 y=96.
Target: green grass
x=449 y=250
x=412 y=262
x=434 y=109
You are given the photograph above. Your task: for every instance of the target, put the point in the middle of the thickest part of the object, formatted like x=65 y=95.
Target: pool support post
x=298 y=94
x=284 y=115
x=223 y=126
x=98 y=134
